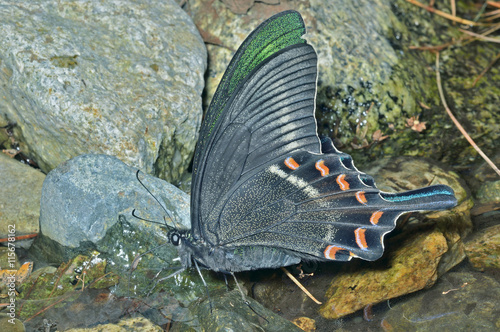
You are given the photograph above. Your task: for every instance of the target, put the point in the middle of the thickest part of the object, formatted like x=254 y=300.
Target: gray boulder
x=121 y=78
x=87 y=195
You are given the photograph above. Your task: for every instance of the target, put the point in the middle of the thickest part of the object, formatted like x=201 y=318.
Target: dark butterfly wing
x=318 y=206
x=261 y=175
x=262 y=109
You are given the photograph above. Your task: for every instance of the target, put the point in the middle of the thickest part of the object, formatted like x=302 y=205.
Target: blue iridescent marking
x=413 y=195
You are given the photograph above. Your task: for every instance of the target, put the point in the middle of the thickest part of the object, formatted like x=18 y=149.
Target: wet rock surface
x=411 y=268
x=483 y=248
x=467 y=301
x=227 y=311
x=129 y=324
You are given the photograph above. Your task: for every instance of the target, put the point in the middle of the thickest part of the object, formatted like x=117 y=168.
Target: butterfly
x=267 y=192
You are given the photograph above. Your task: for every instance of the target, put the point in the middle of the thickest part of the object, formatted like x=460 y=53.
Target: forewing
x=268 y=115
x=318 y=206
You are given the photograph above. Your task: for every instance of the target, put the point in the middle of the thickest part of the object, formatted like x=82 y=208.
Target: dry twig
x=300 y=285
x=482 y=37
x=488 y=67
x=443 y=14
x=457 y=124
x=493 y=4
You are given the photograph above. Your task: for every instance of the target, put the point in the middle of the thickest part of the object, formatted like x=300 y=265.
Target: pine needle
x=300 y=285
x=488 y=67
x=482 y=37
x=457 y=124
x=443 y=14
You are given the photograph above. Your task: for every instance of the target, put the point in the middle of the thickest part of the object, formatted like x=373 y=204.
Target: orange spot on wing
x=374 y=219
x=360 y=196
x=360 y=237
x=331 y=251
x=320 y=166
x=344 y=185
x=291 y=163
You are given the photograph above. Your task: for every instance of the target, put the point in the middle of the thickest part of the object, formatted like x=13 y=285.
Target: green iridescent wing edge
x=262 y=43
x=281 y=31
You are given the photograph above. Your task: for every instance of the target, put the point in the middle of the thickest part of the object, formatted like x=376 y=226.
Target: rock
x=128 y=324
x=73 y=282
x=483 y=248
x=242 y=6
x=485 y=186
x=121 y=78
x=410 y=268
x=238 y=6
x=462 y=300
x=85 y=196
x=11 y=324
x=226 y=311
x=305 y=324
x=20 y=190
x=87 y=203
x=489 y=193
x=96 y=294
x=12 y=264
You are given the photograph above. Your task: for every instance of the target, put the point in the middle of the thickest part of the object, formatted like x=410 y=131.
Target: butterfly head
x=182 y=240
x=177 y=237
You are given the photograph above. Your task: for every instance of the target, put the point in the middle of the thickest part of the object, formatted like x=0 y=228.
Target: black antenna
x=151 y=221
x=159 y=203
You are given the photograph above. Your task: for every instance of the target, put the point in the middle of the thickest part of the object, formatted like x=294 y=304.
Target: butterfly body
x=227 y=259
x=266 y=191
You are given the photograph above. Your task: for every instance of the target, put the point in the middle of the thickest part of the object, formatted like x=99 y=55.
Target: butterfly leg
x=225 y=280
x=164 y=278
x=245 y=299
x=239 y=288
x=204 y=283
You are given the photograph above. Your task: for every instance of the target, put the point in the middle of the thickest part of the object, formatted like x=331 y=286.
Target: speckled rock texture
x=483 y=249
x=412 y=267
x=129 y=324
x=122 y=78
x=20 y=190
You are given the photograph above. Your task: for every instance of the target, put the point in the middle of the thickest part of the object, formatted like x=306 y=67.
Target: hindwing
x=316 y=205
